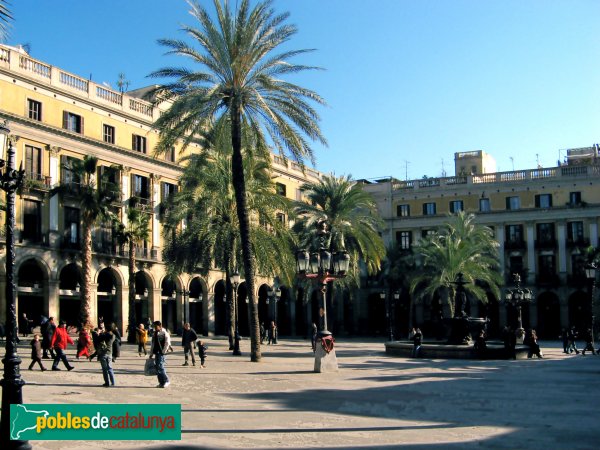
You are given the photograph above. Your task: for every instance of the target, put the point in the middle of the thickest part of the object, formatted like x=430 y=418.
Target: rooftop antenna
x=406 y=163
x=443 y=169
x=537 y=159
x=512 y=161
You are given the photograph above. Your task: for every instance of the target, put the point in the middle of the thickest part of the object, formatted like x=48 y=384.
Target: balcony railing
x=515 y=244
x=548 y=243
x=143 y=203
x=578 y=242
x=20 y=62
x=67 y=243
x=37 y=181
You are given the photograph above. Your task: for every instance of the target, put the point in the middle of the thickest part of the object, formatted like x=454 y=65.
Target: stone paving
x=374 y=401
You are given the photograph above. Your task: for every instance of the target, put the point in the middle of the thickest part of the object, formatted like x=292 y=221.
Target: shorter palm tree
x=460 y=247
x=134 y=232
x=95 y=200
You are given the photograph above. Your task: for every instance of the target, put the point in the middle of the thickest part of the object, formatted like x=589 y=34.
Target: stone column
x=94 y=305
x=209 y=316
x=594 y=234
x=531 y=265
x=155 y=304
x=561 y=233
x=53 y=232
x=51 y=299
x=123 y=299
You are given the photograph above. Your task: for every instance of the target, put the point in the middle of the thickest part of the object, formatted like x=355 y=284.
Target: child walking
x=36 y=352
x=202 y=353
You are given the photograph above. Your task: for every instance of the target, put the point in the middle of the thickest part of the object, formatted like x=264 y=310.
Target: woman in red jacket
x=83 y=344
x=59 y=342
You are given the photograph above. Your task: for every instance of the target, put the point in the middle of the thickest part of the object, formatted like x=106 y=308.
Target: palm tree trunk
x=131 y=284
x=86 y=275
x=239 y=187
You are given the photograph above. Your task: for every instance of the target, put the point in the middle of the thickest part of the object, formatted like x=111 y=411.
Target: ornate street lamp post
x=235 y=282
x=590 y=273
x=274 y=297
x=323 y=267
x=186 y=305
x=12 y=384
x=518 y=297
x=392 y=312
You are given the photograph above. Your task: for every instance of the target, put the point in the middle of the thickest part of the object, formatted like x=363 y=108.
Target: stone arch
x=144 y=298
x=243 y=310
x=31 y=279
x=69 y=290
x=578 y=310
x=198 y=305
x=220 y=307
x=548 y=312
x=109 y=295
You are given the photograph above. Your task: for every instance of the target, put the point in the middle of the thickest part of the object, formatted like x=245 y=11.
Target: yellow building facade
x=53 y=116
x=543 y=219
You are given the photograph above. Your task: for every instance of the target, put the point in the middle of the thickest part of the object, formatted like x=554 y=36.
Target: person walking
x=48 y=330
x=105 y=347
x=572 y=336
x=588 y=336
x=116 y=346
x=202 y=353
x=188 y=341
x=59 y=342
x=96 y=341
x=83 y=344
x=36 y=352
x=532 y=342
x=161 y=341
x=417 y=342
x=141 y=337
x=564 y=336
x=272 y=333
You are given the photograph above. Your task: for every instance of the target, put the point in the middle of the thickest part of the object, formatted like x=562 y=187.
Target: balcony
x=67 y=243
x=577 y=280
x=547 y=279
x=143 y=203
x=545 y=244
x=37 y=182
x=578 y=242
x=515 y=244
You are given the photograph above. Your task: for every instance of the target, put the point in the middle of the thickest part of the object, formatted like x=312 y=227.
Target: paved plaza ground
x=374 y=401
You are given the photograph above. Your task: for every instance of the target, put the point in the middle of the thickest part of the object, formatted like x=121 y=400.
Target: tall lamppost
x=391 y=305
x=590 y=272
x=274 y=295
x=518 y=297
x=235 y=282
x=323 y=267
x=186 y=305
x=12 y=384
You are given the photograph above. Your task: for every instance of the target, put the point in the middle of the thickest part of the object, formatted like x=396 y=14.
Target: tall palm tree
x=135 y=231
x=5 y=18
x=95 y=198
x=211 y=237
x=461 y=246
x=239 y=78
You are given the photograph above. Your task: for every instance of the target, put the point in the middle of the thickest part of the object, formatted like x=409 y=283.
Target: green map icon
x=23 y=419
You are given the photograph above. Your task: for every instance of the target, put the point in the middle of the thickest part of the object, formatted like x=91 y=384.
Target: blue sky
x=405 y=81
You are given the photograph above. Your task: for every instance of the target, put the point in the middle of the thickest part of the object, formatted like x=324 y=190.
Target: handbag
x=150 y=368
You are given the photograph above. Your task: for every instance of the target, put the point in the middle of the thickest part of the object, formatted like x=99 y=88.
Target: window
x=140 y=191
x=110 y=179
x=574 y=198
x=513 y=203
x=429 y=209
x=404 y=239
x=547 y=270
x=456 y=206
x=109 y=134
x=545 y=233
x=34 y=109
x=33 y=159
x=281 y=218
x=427 y=233
x=543 y=201
x=170 y=155
x=516 y=265
x=72 y=122
x=138 y=143
x=32 y=221
x=484 y=205
x=403 y=210
x=575 y=232
x=71 y=231
x=167 y=191
x=104 y=241
x=280 y=189
x=67 y=177
x=514 y=235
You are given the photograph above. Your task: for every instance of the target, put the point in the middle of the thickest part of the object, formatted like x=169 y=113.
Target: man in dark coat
x=188 y=341
x=48 y=329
